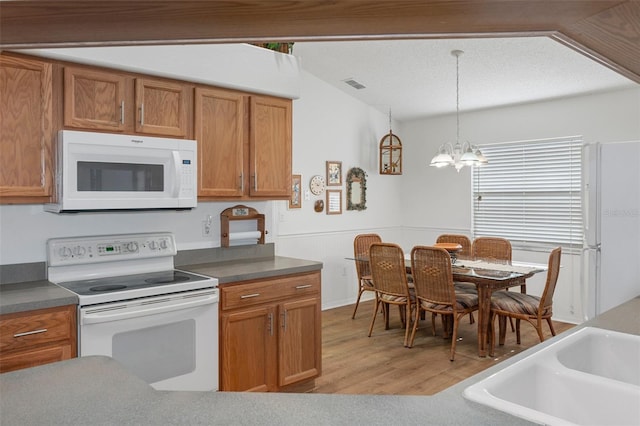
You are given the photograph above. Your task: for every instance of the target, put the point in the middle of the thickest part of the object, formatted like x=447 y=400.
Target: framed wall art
x=334 y=173
x=295 y=202
x=334 y=201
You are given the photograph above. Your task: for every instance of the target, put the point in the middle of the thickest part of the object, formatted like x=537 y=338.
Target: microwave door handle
x=176 y=170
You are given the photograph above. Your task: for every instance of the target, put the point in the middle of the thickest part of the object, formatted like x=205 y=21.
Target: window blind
x=529 y=192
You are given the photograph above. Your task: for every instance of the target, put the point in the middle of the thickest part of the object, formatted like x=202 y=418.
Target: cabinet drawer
x=29 y=329
x=32 y=358
x=250 y=294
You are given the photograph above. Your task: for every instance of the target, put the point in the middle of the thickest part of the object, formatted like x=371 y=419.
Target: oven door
x=170 y=341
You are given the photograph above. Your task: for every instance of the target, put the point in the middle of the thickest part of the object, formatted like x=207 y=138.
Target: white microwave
x=104 y=171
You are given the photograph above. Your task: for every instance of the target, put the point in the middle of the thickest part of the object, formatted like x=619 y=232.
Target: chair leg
x=454 y=337
x=553 y=332
x=385 y=306
x=433 y=323
x=357 y=303
x=403 y=321
x=518 y=330
x=375 y=313
x=492 y=334
x=415 y=327
x=502 y=328
x=471 y=318
x=407 y=321
x=511 y=322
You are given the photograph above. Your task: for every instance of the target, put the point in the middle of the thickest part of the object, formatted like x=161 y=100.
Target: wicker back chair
x=361 y=245
x=435 y=292
x=493 y=249
x=389 y=277
x=463 y=240
x=521 y=306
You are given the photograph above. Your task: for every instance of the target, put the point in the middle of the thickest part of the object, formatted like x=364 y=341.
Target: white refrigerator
x=610 y=261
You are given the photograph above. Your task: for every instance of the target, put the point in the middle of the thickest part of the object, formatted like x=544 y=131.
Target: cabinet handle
x=270 y=324
x=255 y=181
x=247 y=296
x=284 y=320
x=28 y=333
x=142 y=114
x=300 y=287
x=241 y=182
x=121 y=112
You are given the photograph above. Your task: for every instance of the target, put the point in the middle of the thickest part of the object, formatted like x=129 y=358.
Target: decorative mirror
x=356 y=189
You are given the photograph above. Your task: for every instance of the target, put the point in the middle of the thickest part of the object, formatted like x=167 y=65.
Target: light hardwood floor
x=353 y=363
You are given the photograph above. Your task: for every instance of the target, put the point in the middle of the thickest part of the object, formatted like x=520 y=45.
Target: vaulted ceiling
x=607 y=31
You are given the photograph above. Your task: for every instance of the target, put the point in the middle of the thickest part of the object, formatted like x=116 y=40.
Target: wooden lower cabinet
x=42 y=336
x=270 y=333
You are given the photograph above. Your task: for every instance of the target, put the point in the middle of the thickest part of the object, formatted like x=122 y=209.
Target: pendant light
x=458 y=155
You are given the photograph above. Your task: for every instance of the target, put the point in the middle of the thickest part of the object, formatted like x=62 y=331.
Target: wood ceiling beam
x=607 y=30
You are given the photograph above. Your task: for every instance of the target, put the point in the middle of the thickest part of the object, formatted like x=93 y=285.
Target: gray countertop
x=28 y=296
x=98 y=391
x=233 y=271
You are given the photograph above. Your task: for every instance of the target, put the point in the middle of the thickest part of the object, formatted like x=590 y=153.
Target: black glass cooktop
x=130 y=282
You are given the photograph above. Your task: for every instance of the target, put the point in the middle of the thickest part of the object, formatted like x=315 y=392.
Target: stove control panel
x=107 y=248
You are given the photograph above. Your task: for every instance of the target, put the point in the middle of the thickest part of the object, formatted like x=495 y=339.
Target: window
x=530 y=192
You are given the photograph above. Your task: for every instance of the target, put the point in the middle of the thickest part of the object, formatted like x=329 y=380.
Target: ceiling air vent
x=351 y=82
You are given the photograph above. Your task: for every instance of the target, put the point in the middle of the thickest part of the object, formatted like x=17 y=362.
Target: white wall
x=440 y=199
x=330 y=125
x=409 y=209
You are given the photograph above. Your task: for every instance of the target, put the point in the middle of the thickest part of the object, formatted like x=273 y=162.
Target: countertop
x=242 y=270
x=98 y=391
x=28 y=296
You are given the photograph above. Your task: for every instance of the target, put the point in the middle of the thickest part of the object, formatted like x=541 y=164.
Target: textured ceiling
x=417 y=78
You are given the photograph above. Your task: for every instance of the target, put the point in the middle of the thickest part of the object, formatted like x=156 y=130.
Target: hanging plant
x=277 y=47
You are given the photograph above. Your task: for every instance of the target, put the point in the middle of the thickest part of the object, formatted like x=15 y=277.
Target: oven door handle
x=100 y=315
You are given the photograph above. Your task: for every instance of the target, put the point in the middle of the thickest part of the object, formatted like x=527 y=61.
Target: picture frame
x=334 y=201
x=295 y=202
x=334 y=173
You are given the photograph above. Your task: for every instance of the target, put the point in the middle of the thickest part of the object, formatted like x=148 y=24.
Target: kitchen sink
x=591 y=377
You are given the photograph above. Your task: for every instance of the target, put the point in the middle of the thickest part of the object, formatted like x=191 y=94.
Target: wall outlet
x=206 y=228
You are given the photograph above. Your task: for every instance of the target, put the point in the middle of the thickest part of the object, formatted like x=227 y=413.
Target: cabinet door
x=300 y=340
x=248 y=350
x=26 y=132
x=270 y=147
x=162 y=107
x=35 y=357
x=219 y=130
x=96 y=100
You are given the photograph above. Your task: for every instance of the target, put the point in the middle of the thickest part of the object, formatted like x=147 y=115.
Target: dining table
x=488 y=276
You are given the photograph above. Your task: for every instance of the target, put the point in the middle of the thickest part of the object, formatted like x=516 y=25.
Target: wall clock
x=316 y=185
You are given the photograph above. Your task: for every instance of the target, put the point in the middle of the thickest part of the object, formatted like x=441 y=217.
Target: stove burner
x=167 y=280
x=112 y=287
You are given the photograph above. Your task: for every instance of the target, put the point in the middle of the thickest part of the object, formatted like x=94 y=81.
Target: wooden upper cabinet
x=26 y=130
x=244 y=145
x=162 y=107
x=270 y=147
x=220 y=132
x=96 y=100
x=114 y=101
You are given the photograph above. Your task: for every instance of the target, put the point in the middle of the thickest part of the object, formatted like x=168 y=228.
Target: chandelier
x=458 y=155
